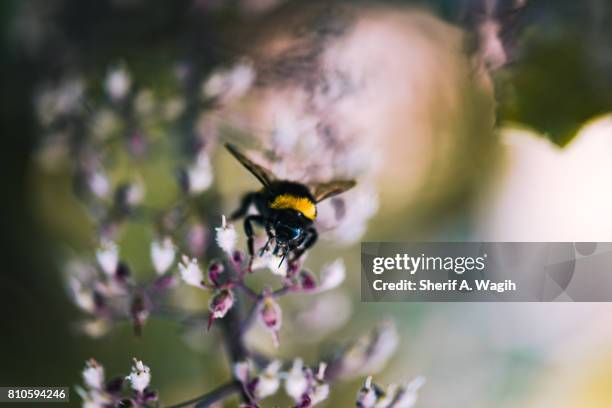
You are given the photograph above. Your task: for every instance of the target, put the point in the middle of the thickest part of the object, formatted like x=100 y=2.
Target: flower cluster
x=395 y=396
x=129 y=391
x=305 y=387
x=223 y=282
x=108 y=293
x=367 y=354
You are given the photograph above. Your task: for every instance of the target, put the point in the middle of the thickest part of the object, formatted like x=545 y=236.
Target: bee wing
x=264 y=175
x=321 y=191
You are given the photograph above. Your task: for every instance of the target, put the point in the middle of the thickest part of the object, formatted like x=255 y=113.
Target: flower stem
x=216 y=395
x=231 y=323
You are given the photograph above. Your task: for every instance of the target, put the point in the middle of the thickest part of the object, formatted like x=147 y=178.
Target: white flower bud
x=241 y=371
x=144 y=102
x=95 y=398
x=407 y=394
x=83 y=297
x=140 y=377
x=319 y=393
x=271 y=262
x=332 y=275
x=173 y=107
x=226 y=236
x=93 y=374
x=366 y=397
x=135 y=193
x=229 y=84
x=296 y=383
x=95 y=328
x=370 y=352
x=108 y=256
x=190 y=272
x=268 y=381
x=117 y=83
x=199 y=175
x=98 y=184
x=162 y=254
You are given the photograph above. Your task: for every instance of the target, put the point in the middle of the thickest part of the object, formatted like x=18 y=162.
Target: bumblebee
x=286 y=209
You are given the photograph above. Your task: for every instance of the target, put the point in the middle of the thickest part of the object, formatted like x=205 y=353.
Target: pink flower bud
x=293 y=268
x=139 y=311
x=137 y=144
x=214 y=271
x=307 y=281
x=238 y=257
x=270 y=316
x=164 y=282
x=197 y=239
x=220 y=304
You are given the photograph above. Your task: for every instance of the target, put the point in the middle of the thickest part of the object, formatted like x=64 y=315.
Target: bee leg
x=310 y=239
x=270 y=234
x=245 y=204
x=248 y=230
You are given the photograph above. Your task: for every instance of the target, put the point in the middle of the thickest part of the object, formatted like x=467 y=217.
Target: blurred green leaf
x=554 y=88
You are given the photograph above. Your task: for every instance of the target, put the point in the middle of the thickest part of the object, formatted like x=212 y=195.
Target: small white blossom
x=190 y=271
x=83 y=296
x=407 y=394
x=316 y=319
x=268 y=381
x=296 y=382
x=135 y=193
x=229 y=84
x=320 y=390
x=332 y=275
x=199 y=176
x=162 y=254
x=118 y=83
x=106 y=122
x=58 y=100
x=108 y=256
x=140 y=377
x=226 y=236
x=98 y=184
x=241 y=371
x=93 y=374
x=370 y=352
x=366 y=397
x=144 y=102
x=385 y=340
x=271 y=262
x=95 y=328
x=95 y=398
x=173 y=107
x=319 y=393
x=386 y=399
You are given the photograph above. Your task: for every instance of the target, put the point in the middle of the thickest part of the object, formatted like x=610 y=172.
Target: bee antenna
x=282 y=259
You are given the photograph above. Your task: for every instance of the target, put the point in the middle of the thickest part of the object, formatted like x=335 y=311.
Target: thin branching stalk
x=206 y=400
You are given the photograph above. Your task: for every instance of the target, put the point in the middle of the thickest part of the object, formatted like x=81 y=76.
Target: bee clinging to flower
x=286 y=209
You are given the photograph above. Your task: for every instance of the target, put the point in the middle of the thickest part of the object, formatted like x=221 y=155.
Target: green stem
x=211 y=397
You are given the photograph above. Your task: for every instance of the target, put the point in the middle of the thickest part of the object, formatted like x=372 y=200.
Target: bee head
x=288 y=227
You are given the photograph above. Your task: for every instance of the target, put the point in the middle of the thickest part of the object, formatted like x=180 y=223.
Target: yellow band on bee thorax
x=300 y=204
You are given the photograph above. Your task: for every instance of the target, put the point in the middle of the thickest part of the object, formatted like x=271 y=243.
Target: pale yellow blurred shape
x=585 y=383
x=548 y=193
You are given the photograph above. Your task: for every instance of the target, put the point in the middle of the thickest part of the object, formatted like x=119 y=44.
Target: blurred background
x=461 y=120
